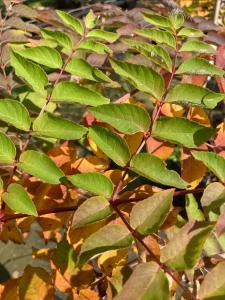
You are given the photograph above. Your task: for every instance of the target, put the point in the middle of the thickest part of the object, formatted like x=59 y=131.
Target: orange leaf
x=89 y=164
x=160 y=149
x=172 y=110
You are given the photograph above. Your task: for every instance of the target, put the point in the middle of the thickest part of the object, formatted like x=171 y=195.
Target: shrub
x=119 y=192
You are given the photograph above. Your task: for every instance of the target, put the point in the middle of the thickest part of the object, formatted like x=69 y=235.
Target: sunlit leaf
x=95 y=183
x=109 y=237
x=154 y=169
x=111 y=144
x=58 y=36
x=213 y=162
x=181 y=131
x=71 y=92
x=90 y=20
x=148 y=215
x=158 y=36
x=157 y=20
x=92 y=210
x=143 y=78
x=183 y=251
x=190 y=32
x=213 y=196
x=51 y=126
x=71 y=21
x=18 y=200
x=41 y=166
x=197 y=46
x=107 y=36
x=7 y=149
x=94 y=46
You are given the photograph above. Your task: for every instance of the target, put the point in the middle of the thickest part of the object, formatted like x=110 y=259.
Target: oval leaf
x=94 y=46
x=190 y=32
x=185 y=92
x=152 y=284
x=109 y=237
x=95 y=183
x=111 y=144
x=158 y=36
x=197 y=46
x=59 y=37
x=51 y=126
x=14 y=113
x=43 y=55
x=157 y=20
x=107 y=36
x=181 y=131
x=213 y=161
x=92 y=210
x=143 y=78
x=71 y=92
x=199 y=66
x=148 y=215
x=154 y=169
x=41 y=166
x=71 y=21
x=7 y=149
x=127 y=118
x=30 y=72
x=213 y=196
x=18 y=200
x=183 y=251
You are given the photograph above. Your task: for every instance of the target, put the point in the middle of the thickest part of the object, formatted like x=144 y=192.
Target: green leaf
x=199 y=66
x=114 y=146
x=148 y=215
x=143 y=78
x=94 y=46
x=213 y=196
x=213 y=285
x=95 y=183
x=59 y=37
x=91 y=211
x=186 y=92
x=90 y=20
x=158 y=36
x=157 y=20
x=154 y=169
x=213 y=161
x=109 y=237
x=190 y=32
x=35 y=101
x=82 y=69
x=71 y=92
x=154 y=52
x=192 y=208
x=184 y=249
x=177 y=19
x=41 y=166
x=152 y=284
x=7 y=149
x=14 y=113
x=107 y=36
x=43 y=55
x=18 y=200
x=197 y=46
x=51 y=126
x=127 y=118
x=181 y=131
x=30 y=72
x=71 y=21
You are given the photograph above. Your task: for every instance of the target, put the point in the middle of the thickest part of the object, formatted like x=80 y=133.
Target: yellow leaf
x=89 y=163
x=112 y=259
x=198 y=114
x=134 y=141
x=172 y=110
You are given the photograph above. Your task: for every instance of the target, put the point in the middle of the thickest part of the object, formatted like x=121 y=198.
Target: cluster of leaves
x=104 y=191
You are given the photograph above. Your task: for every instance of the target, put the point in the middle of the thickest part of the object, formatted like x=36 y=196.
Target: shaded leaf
x=181 y=131
x=199 y=66
x=59 y=37
x=14 y=113
x=41 y=166
x=92 y=210
x=148 y=215
x=184 y=249
x=71 y=92
x=51 y=126
x=111 y=144
x=95 y=183
x=107 y=36
x=94 y=46
x=7 y=149
x=18 y=200
x=71 y=21
x=194 y=94
x=193 y=211
x=127 y=118
x=158 y=36
x=213 y=285
x=152 y=284
x=30 y=72
x=213 y=196
x=154 y=169
x=197 y=46
x=143 y=78
x=109 y=237
x=213 y=162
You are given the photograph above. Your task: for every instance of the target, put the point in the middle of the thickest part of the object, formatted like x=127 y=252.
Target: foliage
x=117 y=193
